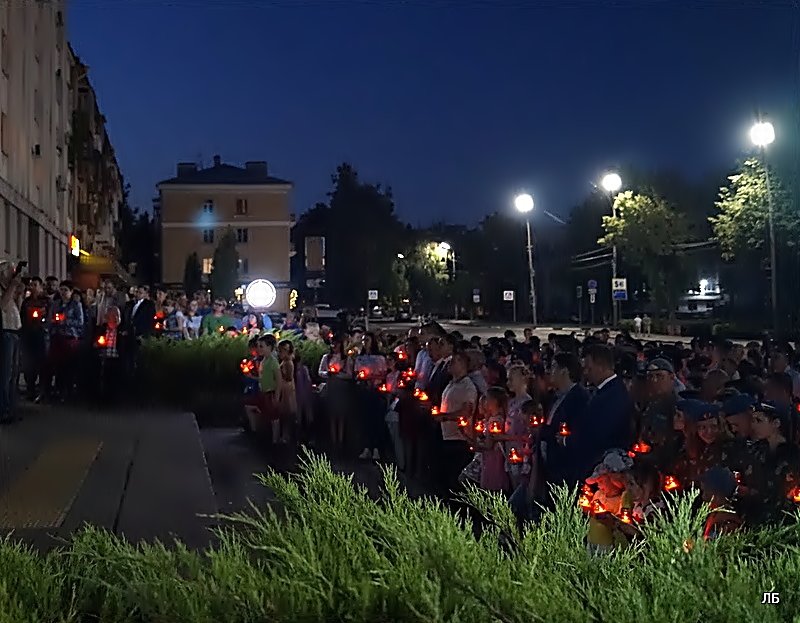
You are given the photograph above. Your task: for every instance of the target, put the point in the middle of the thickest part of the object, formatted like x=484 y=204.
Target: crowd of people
x=622 y=419
x=61 y=343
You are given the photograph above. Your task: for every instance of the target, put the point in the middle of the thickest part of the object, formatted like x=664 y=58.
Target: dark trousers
x=451 y=459
x=64 y=358
x=34 y=361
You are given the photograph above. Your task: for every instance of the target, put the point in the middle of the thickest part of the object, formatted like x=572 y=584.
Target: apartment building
x=199 y=204
x=60 y=185
x=35 y=115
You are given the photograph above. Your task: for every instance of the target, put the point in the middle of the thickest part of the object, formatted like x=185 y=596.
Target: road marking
x=43 y=494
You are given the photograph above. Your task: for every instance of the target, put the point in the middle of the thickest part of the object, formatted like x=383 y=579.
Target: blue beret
x=738 y=403
x=698 y=410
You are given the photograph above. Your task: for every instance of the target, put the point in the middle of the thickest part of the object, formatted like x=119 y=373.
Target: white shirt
x=11 y=318
x=606 y=382
x=135 y=307
x=455 y=397
x=423 y=367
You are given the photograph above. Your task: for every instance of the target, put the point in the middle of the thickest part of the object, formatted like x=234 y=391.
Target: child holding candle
x=517 y=426
x=492 y=412
x=718 y=486
x=614 y=498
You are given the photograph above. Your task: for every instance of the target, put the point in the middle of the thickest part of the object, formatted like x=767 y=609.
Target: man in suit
x=570 y=402
x=607 y=420
x=138 y=322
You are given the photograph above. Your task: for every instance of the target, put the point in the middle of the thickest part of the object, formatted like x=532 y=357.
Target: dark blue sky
x=457 y=105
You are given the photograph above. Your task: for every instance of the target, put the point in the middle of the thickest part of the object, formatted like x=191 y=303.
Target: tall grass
x=335 y=554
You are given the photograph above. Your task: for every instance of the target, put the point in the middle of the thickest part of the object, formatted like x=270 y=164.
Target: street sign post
x=592 y=298
x=579 y=291
x=372 y=295
x=476 y=298
x=508 y=296
x=619 y=289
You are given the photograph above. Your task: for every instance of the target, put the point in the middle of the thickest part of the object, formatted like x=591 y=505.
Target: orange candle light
x=333 y=369
x=462 y=422
x=598 y=508
x=383 y=388
x=563 y=431
x=59 y=318
x=536 y=421
x=671 y=483
x=514 y=457
x=625 y=516
x=101 y=340
x=401 y=355
x=401 y=384
x=423 y=397
x=794 y=495
x=641 y=447
x=35 y=314
x=434 y=410
x=480 y=426
x=585 y=503
x=220 y=329
x=362 y=374
x=417 y=392
x=495 y=428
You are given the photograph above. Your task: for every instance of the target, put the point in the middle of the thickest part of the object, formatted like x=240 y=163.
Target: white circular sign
x=260 y=294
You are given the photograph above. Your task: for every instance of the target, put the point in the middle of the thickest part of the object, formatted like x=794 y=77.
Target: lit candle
x=462 y=422
x=495 y=428
x=423 y=397
x=671 y=483
x=401 y=384
x=585 y=503
x=794 y=495
x=480 y=426
x=101 y=340
x=514 y=457
x=35 y=313
x=362 y=374
x=641 y=447
x=417 y=392
x=563 y=431
x=401 y=355
x=536 y=421
x=59 y=318
x=625 y=516
x=598 y=508
x=383 y=388
x=434 y=410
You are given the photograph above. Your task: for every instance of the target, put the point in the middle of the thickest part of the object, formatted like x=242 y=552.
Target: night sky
x=456 y=105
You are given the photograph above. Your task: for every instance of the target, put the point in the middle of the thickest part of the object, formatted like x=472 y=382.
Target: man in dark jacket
x=607 y=421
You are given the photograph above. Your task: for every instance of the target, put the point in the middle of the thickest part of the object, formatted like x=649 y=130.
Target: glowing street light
x=444 y=247
x=611 y=182
x=524 y=205
x=762 y=134
x=400 y=256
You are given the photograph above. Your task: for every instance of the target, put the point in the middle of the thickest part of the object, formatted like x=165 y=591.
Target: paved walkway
x=136 y=473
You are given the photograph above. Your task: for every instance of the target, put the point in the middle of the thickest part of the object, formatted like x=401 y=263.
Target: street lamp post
x=763 y=134
x=447 y=250
x=524 y=204
x=611 y=183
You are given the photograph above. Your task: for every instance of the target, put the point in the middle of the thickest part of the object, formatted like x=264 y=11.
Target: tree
x=741 y=224
x=225 y=269
x=192 y=274
x=646 y=230
x=363 y=239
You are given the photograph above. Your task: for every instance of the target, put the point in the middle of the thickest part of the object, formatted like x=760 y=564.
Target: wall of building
x=34 y=124
x=184 y=220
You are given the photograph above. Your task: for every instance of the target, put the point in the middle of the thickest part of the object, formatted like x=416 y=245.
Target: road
x=485 y=330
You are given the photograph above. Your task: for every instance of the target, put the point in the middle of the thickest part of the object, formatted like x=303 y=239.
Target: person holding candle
x=614 y=498
x=337 y=369
x=261 y=407
x=492 y=412
x=517 y=425
x=459 y=399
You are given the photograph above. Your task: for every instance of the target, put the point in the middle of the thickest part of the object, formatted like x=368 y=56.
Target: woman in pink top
x=492 y=412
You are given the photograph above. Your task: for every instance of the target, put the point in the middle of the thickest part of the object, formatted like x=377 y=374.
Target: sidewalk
x=141 y=474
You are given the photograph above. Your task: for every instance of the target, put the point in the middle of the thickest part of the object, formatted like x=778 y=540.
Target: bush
x=336 y=554
x=190 y=373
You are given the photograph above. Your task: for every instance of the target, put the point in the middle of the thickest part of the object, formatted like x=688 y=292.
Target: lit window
x=242 y=235
x=208 y=264
x=208 y=207
x=241 y=207
x=208 y=236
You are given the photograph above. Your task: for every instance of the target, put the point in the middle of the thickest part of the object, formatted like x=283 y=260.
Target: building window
x=244 y=265
x=4 y=139
x=208 y=264
x=208 y=236
x=241 y=207
x=208 y=207
x=242 y=235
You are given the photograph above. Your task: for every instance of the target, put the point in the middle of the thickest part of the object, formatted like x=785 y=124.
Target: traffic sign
x=592 y=297
x=592 y=284
x=579 y=291
x=619 y=289
x=476 y=298
x=592 y=290
x=372 y=295
x=508 y=295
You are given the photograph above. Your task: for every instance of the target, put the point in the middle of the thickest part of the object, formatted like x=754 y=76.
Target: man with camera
x=10 y=324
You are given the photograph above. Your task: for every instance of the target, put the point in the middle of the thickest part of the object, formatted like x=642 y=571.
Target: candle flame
x=362 y=374
x=641 y=447
x=101 y=341
x=625 y=516
x=383 y=388
x=494 y=428
x=514 y=457
x=423 y=397
x=585 y=503
x=462 y=422
x=479 y=426
x=671 y=483
x=434 y=410
x=598 y=508
x=563 y=431
x=794 y=495
x=35 y=313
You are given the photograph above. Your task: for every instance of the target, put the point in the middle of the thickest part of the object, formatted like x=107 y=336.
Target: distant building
x=199 y=204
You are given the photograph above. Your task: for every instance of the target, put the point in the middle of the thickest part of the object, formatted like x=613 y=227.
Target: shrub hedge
x=336 y=554
x=180 y=371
